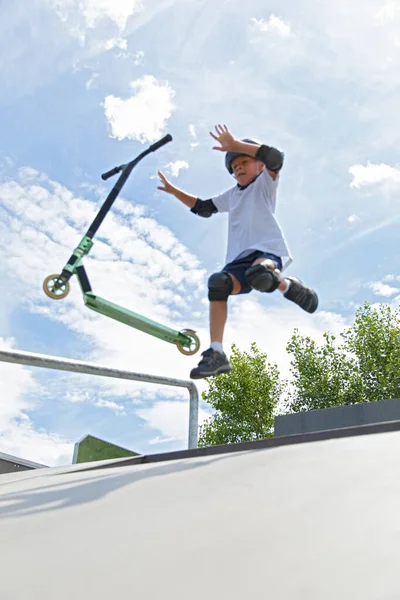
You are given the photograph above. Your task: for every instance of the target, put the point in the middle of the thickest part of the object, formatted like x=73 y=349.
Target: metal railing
x=76 y=366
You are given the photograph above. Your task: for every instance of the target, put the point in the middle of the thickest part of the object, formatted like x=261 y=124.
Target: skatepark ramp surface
x=312 y=520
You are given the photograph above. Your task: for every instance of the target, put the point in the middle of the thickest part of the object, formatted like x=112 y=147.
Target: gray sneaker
x=212 y=363
x=305 y=297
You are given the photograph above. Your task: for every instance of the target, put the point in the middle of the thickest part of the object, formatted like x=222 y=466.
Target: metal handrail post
x=193 y=436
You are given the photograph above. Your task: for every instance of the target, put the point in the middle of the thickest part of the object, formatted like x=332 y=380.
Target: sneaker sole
x=314 y=304
x=219 y=371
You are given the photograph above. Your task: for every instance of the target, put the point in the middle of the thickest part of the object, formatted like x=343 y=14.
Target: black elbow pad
x=204 y=208
x=271 y=157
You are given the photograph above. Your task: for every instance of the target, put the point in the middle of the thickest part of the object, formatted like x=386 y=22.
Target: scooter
x=58 y=286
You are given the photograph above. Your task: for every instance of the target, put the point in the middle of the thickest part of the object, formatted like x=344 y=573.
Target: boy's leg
x=218 y=318
x=292 y=288
x=215 y=361
x=219 y=313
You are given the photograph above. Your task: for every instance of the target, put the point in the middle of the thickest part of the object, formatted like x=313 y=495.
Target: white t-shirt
x=252 y=222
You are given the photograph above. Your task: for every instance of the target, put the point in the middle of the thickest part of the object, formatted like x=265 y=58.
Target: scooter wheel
x=56 y=287
x=191 y=347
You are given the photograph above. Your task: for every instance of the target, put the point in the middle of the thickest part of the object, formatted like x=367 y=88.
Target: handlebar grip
x=152 y=148
x=111 y=173
x=162 y=142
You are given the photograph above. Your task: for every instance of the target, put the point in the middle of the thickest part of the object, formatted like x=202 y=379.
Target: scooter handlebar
x=152 y=148
x=111 y=173
x=162 y=142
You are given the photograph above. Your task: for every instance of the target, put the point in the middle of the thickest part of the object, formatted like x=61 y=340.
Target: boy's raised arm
x=169 y=188
x=203 y=208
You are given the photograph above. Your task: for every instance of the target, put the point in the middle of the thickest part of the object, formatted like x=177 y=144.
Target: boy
x=256 y=246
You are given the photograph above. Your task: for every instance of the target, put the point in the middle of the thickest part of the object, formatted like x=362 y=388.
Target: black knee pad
x=220 y=286
x=262 y=279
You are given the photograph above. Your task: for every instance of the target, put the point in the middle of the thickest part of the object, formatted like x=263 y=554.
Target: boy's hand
x=167 y=187
x=225 y=138
x=187 y=199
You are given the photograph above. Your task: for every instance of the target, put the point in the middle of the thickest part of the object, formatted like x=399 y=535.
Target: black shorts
x=238 y=267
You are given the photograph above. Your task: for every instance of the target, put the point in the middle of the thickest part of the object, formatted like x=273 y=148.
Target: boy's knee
x=262 y=278
x=220 y=286
x=267 y=262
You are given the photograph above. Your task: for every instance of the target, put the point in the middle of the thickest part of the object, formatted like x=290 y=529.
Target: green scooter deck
x=107 y=308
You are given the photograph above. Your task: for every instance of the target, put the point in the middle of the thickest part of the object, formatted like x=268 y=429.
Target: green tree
x=244 y=400
x=322 y=376
x=363 y=365
x=374 y=340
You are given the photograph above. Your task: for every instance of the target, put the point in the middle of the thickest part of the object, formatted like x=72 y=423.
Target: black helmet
x=230 y=156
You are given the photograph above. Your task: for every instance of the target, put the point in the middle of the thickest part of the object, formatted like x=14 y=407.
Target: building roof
x=21 y=461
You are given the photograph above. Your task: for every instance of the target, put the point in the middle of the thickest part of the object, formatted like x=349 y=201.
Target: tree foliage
x=244 y=400
x=363 y=365
x=322 y=376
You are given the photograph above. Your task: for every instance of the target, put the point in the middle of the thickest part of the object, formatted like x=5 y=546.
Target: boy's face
x=246 y=168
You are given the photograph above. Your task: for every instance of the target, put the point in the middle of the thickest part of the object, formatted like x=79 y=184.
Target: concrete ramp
x=318 y=520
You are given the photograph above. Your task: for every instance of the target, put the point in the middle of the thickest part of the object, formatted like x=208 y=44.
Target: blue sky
x=88 y=85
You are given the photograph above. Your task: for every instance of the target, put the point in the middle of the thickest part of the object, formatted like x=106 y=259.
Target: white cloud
x=92 y=12
x=91 y=83
x=117 y=11
x=279 y=48
x=160 y=440
x=391 y=277
x=193 y=135
x=347 y=30
x=117 y=408
x=14 y=383
x=76 y=396
x=272 y=25
x=371 y=174
x=332 y=41
x=353 y=219
x=175 y=167
x=138 y=57
x=169 y=418
x=382 y=289
x=357 y=237
x=389 y=10
x=143 y=116
x=21 y=439
x=115 y=43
